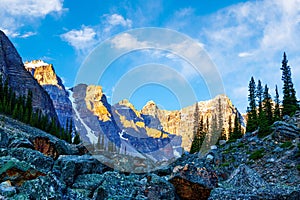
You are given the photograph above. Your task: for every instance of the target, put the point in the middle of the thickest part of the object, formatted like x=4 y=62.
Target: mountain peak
x=34 y=64
x=43 y=72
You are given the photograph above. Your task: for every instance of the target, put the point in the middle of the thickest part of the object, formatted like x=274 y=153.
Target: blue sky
x=242 y=38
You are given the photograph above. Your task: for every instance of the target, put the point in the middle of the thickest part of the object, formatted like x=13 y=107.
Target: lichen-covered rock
x=7 y=189
x=22 y=142
x=245 y=183
x=17 y=171
x=37 y=159
x=3 y=138
x=72 y=166
x=46 y=187
x=120 y=186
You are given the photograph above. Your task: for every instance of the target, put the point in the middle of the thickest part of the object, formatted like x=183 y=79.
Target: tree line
x=216 y=128
x=20 y=108
x=263 y=111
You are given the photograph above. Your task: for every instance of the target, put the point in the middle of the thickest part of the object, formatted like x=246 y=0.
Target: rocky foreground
x=36 y=165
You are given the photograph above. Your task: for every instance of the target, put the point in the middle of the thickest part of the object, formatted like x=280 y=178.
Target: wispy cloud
x=16 y=14
x=127 y=41
x=82 y=39
x=249 y=39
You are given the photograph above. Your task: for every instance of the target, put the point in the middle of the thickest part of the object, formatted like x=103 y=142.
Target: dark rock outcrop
x=285 y=131
x=19 y=80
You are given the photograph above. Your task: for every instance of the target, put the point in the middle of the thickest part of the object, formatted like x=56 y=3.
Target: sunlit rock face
x=45 y=75
x=181 y=122
x=95 y=102
x=19 y=80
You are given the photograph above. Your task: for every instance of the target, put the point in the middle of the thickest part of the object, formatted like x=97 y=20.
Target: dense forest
x=20 y=108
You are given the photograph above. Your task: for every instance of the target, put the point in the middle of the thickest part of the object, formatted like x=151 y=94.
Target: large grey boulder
x=69 y=167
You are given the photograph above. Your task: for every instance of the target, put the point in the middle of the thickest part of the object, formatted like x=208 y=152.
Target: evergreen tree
x=237 y=130
x=76 y=138
x=289 y=103
x=251 y=110
x=196 y=143
x=230 y=127
x=259 y=95
x=267 y=106
x=277 y=114
x=196 y=120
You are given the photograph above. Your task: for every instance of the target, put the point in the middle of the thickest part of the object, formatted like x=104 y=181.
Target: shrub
x=286 y=144
x=257 y=154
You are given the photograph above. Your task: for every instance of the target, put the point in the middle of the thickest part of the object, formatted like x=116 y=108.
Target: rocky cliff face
x=45 y=75
x=181 y=122
x=119 y=128
x=12 y=69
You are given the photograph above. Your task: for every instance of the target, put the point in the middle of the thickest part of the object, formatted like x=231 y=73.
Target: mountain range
x=148 y=130
x=137 y=154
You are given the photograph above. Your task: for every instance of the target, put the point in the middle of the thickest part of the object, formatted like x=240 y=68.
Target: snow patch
x=90 y=134
x=34 y=64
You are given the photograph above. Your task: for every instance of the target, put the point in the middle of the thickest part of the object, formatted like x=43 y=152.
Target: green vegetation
x=261 y=113
x=241 y=145
x=286 y=144
x=199 y=133
x=298 y=167
x=257 y=154
x=20 y=108
x=289 y=102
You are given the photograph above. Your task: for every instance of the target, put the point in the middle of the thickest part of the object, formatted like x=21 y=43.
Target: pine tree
x=267 y=106
x=230 y=127
x=289 y=103
x=237 y=130
x=196 y=120
x=277 y=114
x=251 y=110
x=76 y=138
x=259 y=95
x=196 y=143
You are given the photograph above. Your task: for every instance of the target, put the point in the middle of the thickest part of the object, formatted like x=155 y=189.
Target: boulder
x=70 y=166
x=120 y=186
x=47 y=187
x=245 y=183
x=7 y=189
x=285 y=132
x=37 y=159
x=3 y=139
x=17 y=171
x=191 y=182
x=22 y=142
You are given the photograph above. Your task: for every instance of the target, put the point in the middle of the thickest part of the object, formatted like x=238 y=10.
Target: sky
x=240 y=38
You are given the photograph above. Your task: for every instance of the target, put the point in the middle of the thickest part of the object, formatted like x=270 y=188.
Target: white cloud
x=82 y=39
x=34 y=8
x=16 y=14
x=116 y=19
x=259 y=31
x=127 y=41
x=245 y=54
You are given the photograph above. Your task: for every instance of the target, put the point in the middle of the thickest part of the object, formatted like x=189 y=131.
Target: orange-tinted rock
x=43 y=145
x=187 y=190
